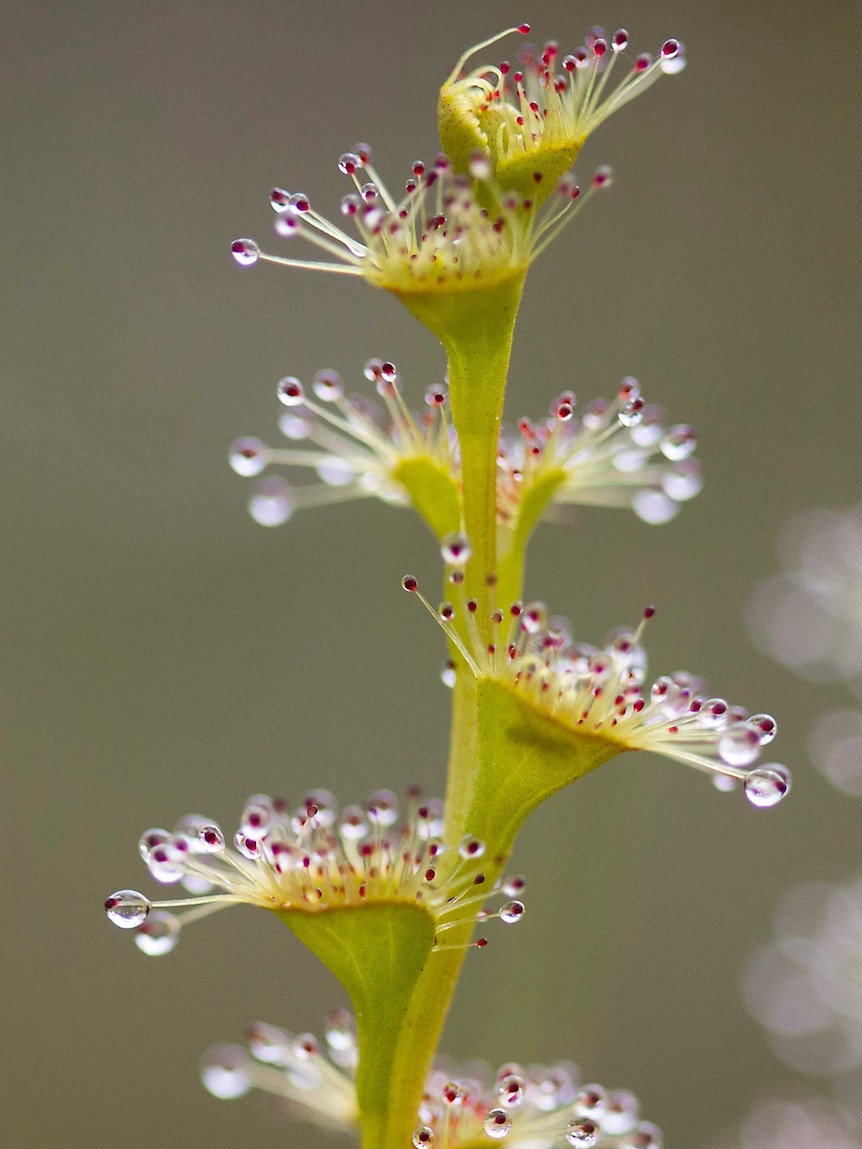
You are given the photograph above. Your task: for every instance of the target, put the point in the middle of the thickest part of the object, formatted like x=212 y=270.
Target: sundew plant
x=393 y=893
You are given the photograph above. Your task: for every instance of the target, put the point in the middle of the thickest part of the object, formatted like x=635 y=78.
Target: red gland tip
x=410 y=584
x=649 y=611
x=524 y=29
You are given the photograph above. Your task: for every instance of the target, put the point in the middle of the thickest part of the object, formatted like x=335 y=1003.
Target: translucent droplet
x=678 y=442
x=512 y=912
x=726 y=783
x=340 y=1030
x=248 y=456
x=583 y=1132
x=353 y=824
x=272 y=503
x=654 y=507
x=684 y=481
x=327 y=385
x=767 y=785
x=422 y=1137
x=591 y=1101
x=631 y=412
x=448 y=676
x=268 y=1043
x=225 y=1071
x=337 y=472
x=740 y=746
x=349 y=163
x=453 y=1094
x=158 y=935
x=245 y=252
x=211 y=839
x=290 y=391
x=621 y=1112
x=295 y=427
x=383 y=808
x=127 y=909
x=511 y=1090
x=455 y=549
x=150 y=839
x=765 y=727
x=166 y=863
x=497 y=1124
x=646 y=1136
x=514 y=886
x=470 y=847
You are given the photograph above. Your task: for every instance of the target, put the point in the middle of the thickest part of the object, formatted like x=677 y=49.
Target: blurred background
x=164 y=654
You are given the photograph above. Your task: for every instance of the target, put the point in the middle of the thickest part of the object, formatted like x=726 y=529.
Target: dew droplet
x=512 y=912
x=382 y=808
x=631 y=413
x=678 y=442
x=245 y=252
x=511 y=1090
x=725 y=783
x=514 y=886
x=654 y=507
x=422 y=1137
x=158 y=935
x=621 y=1113
x=290 y=391
x=327 y=385
x=211 y=839
x=470 y=847
x=683 y=481
x=225 y=1071
x=764 y=725
x=767 y=785
x=455 y=549
x=591 y=1101
x=497 y=1124
x=646 y=1136
x=150 y=839
x=247 y=456
x=127 y=909
x=167 y=863
x=340 y=1031
x=268 y=1043
x=583 y=1132
x=739 y=746
x=272 y=503
x=449 y=676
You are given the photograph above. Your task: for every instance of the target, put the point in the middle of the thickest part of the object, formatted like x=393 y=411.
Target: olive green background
x=163 y=654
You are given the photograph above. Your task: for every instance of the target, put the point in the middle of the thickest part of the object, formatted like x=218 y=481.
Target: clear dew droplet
x=247 y=456
x=225 y=1072
x=127 y=909
x=455 y=549
x=158 y=935
x=646 y=1136
x=422 y=1137
x=726 y=783
x=678 y=442
x=591 y=1101
x=621 y=1113
x=327 y=385
x=654 y=507
x=245 y=252
x=767 y=785
x=497 y=1124
x=512 y=912
x=272 y=503
x=290 y=391
x=340 y=1030
x=583 y=1132
x=739 y=746
x=511 y=1090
